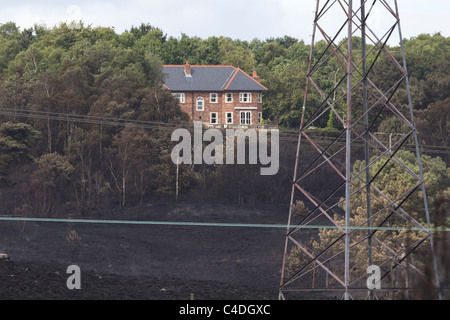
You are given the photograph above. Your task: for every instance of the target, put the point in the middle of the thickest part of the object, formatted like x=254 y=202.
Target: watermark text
x=190 y=150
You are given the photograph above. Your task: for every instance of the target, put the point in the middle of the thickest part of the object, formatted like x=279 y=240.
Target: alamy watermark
x=190 y=151
x=74 y=280
x=374 y=280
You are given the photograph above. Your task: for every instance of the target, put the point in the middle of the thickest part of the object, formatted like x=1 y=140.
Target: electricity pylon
x=336 y=232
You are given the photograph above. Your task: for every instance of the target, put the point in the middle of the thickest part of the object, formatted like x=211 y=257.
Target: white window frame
x=245 y=97
x=213 y=98
x=180 y=96
x=260 y=95
x=202 y=107
x=228 y=97
x=228 y=117
x=211 y=118
x=259 y=117
x=246 y=117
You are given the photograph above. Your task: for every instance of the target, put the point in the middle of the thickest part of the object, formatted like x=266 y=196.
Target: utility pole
x=176 y=179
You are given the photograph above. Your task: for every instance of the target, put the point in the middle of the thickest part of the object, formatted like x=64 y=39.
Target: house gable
x=243 y=82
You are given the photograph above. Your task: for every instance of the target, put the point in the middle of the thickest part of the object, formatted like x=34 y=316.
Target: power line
x=58 y=116
x=212 y=224
x=289 y=136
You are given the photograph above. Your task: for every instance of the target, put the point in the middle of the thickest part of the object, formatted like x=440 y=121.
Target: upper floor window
x=180 y=97
x=200 y=104
x=213 y=98
x=245 y=97
x=259 y=97
x=228 y=97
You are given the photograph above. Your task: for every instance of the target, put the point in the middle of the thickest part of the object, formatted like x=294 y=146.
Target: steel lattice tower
x=359 y=224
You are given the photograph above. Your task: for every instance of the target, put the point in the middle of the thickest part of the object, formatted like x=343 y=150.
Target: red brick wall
x=221 y=107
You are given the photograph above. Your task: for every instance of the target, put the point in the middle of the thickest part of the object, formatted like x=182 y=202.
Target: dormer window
x=200 y=104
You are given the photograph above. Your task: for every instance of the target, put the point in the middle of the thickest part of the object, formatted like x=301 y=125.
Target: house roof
x=209 y=78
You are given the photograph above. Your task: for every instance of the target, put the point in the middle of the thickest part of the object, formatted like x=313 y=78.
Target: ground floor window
x=213 y=118
x=246 y=117
x=229 y=117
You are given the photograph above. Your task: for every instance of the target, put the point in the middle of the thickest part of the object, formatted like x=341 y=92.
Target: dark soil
x=125 y=261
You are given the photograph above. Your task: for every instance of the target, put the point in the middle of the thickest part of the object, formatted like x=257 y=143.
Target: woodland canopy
x=85 y=123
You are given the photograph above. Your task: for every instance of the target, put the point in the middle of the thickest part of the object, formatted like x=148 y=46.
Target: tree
x=236 y=55
x=158 y=104
x=208 y=51
x=49 y=182
x=17 y=142
x=8 y=51
x=9 y=30
x=433 y=124
x=66 y=35
x=394 y=182
x=153 y=41
x=428 y=62
x=142 y=30
x=119 y=162
x=271 y=52
x=287 y=86
x=88 y=175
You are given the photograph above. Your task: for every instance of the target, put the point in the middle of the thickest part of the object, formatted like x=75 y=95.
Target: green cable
x=214 y=224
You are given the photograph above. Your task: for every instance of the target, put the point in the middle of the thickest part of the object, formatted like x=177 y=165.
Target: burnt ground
x=155 y=262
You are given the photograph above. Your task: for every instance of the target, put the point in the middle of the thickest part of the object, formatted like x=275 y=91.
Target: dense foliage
x=52 y=164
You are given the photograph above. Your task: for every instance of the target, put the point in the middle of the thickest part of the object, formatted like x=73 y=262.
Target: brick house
x=219 y=96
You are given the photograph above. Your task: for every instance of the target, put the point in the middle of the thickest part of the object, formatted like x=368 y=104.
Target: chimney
x=255 y=75
x=187 y=69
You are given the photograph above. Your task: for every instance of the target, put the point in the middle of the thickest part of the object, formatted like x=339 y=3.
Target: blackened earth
x=155 y=262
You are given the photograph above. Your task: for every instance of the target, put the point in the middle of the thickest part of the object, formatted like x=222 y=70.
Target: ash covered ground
x=155 y=262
